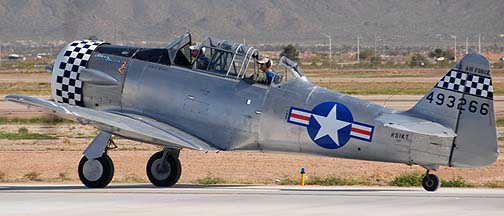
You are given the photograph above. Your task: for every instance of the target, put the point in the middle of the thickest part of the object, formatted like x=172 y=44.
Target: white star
x=330 y=125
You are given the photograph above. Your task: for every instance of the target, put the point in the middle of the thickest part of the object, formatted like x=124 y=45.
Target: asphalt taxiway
x=144 y=199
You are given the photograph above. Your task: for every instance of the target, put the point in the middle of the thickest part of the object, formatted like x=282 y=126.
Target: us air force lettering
x=159 y=96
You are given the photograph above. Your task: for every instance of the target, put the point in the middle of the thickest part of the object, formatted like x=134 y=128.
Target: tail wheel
x=430 y=182
x=163 y=173
x=96 y=173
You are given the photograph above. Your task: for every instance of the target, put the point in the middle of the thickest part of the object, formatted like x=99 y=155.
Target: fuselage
x=231 y=113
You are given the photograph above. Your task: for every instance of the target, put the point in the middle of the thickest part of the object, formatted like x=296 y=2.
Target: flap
x=132 y=126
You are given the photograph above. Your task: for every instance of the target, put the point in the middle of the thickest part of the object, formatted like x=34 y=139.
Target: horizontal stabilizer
x=415 y=125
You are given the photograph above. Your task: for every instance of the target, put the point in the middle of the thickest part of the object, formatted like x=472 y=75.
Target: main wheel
x=430 y=182
x=96 y=173
x=163 y=173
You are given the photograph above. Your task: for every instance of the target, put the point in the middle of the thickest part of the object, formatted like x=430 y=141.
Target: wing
x=132 y=126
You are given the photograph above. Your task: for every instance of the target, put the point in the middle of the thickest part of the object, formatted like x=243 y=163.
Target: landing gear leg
x=430 y=182
x=163 y=168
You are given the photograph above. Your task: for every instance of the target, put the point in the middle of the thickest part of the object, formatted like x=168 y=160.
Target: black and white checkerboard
x=68 y=87
x=463 y=82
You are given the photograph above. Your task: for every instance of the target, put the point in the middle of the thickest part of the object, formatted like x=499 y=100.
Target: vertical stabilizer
x=463 y=100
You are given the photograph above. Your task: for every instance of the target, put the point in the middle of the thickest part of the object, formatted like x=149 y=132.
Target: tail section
x=463 y=100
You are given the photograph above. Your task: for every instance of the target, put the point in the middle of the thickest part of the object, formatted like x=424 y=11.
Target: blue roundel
x=330 y=125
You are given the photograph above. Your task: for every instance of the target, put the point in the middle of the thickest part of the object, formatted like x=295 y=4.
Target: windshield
x=179 y=48
x=288 y=70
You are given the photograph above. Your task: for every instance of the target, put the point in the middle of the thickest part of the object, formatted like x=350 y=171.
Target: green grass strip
x=329 y=181
x=25 y=135
x=415 y=180
x=39 y=120
x=333 y=181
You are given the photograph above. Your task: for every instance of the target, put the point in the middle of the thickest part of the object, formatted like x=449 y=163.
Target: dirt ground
x=57 y=160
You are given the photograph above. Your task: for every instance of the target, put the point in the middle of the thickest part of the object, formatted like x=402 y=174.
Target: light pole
x=375 y=46
x=467 y=45
x=358 y=48
x=330 y=46
x=455 y=48
x=479 y=43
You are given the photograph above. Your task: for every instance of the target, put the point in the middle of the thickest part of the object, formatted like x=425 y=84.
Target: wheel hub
x=92 y=170
x=429 y=182
x=160 y=170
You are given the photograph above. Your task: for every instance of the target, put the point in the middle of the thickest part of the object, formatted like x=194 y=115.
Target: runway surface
x=144 y=199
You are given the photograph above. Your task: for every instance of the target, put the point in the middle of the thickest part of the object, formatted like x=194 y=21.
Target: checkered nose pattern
x=467 y=83
x=67 y=88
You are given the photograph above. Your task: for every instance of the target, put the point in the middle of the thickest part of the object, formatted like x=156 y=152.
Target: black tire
x=431 y=182
x=163 y=176
x=96 y=173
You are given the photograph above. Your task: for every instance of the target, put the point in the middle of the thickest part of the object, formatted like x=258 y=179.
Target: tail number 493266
x=461 y=104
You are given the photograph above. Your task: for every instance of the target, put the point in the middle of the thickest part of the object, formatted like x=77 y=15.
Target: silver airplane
x=162 y=96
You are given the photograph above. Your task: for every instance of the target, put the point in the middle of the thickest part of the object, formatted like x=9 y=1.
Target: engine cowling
x=65 y=84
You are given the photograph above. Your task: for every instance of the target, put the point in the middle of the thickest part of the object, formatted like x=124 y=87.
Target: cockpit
x=227 y=59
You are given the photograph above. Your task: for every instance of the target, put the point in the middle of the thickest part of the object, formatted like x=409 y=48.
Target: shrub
x=63 y=176
x=133 y=179
x=210 y=180
x=23 y=130
x=2 y=176
x=456 y=182
x=407 y=180
x=33 y=176
x=496 y=184
x=331 y=181
x=288 y=182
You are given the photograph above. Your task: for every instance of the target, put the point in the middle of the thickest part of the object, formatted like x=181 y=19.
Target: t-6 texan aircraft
x=164 y=96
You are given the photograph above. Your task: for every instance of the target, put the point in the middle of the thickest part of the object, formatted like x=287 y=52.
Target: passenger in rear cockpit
x=265 y=75
x=198 y=55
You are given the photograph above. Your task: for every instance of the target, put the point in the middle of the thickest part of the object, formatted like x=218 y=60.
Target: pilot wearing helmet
x=198 y=54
